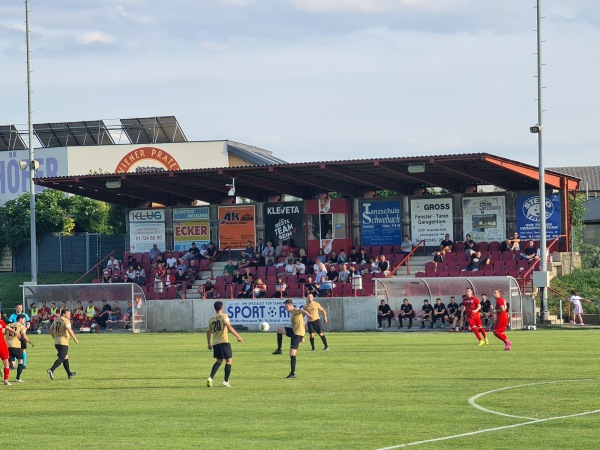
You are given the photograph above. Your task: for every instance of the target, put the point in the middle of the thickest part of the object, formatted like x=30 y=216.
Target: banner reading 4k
x=528 y=216
x=236 y=226
x=285 y=221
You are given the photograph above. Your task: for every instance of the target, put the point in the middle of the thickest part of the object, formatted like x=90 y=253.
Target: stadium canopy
x=350 y=178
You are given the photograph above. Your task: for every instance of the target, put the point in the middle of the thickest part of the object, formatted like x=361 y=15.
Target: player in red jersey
x=472 y=308
x=501 y=320
x=4 y=352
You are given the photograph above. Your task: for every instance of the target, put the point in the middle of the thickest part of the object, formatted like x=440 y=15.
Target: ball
x=533 y=327
x=264 y=326
x=38 y=331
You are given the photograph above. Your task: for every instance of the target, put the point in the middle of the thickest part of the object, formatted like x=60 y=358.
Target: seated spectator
x=243 y=260
x=279 y=249
x=333 y=274
x=247 y=287
x=249 y=248
x=269 y=248
x=453 y=314
x=158 y=261
x=154 y=252
x=246 y=275
x=363 y=258
x=130 y=262
x=127 y=318
x=290 y=258
x=54 y=312
x=406 y=246
x=106 y=277
x=192 y=253
x=237 y=277
x=257 y=261
x=270 y=259
x=181 y=279
x=280 y=288
x=314 y=268
x=470 y=245
x=530 y=252
x=229 y=268
x=355 y=278
x=447 y=244
x=333 y=258
x=426 y=314
x=375 y=265
x=207 y=289
x=384 y=312
x=487 y=312
x=303 y=257
x=130 y=273
x=322 y=272
x=34 y=314
x=79 y=315
x=384 y=266
x=344 y=274
x=514 y=242
x=342 y=257
x=192 y=270
x=477 y=262
x=354 y=256
x=290 y=269
x=113 y=264
x=321 y=256
x=438 y=257
x=505 y=246
x=259 y=247
x=203 y=251
x=90 y=312
x=299 y=268
x=325 y=287
x=44 y=312
x=406 y=312
x=123 y=279
x=171 y=261
x=102 y=316
x=310 y=287
x=211 y=250
x=439 y=312
x=139 y=269
x=181 y=266
x=114 y=314
x=139 y=280
x=328 y=234
x=260 y=289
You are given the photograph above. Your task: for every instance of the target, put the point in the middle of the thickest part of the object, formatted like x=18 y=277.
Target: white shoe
x=226 y=384
x=19 y=381
x=209 y=382
x=6 y=383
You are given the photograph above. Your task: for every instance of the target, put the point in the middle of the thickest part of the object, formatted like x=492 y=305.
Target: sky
x=316 y=80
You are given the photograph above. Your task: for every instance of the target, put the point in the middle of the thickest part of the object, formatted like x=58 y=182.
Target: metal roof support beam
x=141 y=195
x=403 y=172
x=330 y=186
x=465 y=174
x=365 y=178
x=276 y=186
x=191 y=194
x=92 y=193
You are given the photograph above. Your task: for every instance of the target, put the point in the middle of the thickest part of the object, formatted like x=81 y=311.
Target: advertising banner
x=528 y=216
x=285 y=221
x=190 y=225
x=146 y=227
x=484 y=218
x=236 y=226
x=431 y=219
x=256 y=311
x=381 y=222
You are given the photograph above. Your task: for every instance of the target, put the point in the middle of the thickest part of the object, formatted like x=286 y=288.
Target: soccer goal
x=71 y=294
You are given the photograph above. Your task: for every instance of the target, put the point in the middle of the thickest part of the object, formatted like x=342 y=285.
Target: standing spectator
x=406 y=312
x=159 y=277
x=577 y=308
x=259 y=246
x=439 y=312
x=154 y=252
x=406 y=245
x=530 y=252
x=384 y=312
x=470 y=245
x=447 y=244
x=280 y=288
x=426 y=314
x=192 y=253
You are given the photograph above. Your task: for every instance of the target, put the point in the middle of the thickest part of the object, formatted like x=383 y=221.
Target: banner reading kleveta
x=430 y=220
x=236 y=226
x=285 y=221
x=146 y=228
x=248 y=312
x=190 y=225
x=484 y=218
x=528 y=216
x=381 y=222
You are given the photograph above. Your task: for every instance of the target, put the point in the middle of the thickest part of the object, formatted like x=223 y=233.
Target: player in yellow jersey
x=61 y=332
x=16 y=333
x=296 y=333
x=314 y=325
x=218 y=326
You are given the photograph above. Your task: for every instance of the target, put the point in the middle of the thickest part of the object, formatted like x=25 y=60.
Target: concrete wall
x=170 y=315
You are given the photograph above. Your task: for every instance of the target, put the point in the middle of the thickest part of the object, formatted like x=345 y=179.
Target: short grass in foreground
x=371 y=390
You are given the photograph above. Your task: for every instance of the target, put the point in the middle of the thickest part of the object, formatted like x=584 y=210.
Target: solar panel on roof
x=65 y=134
x=10 y=139
x=153 y=130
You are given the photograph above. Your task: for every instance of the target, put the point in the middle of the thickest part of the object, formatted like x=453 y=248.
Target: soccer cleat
x=19 y=381
x=72 y=374
x=209 y=382
x=291 y=375
x=6 y=383
x=482 y=342
x=51 y=374
x=486 y=341
x=422 y=326
x=451 y=330
x=226 y=384
x=326 y=349
x=507 y=345
x=277 y=352
x=313 y=349
x=379 y=328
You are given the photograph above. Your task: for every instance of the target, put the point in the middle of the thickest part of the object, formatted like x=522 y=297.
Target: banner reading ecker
x=431 y=219
x=256 y=311
x=236 y=226
x=190 y=225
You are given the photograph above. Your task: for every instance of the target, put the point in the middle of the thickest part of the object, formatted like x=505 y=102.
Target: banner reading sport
x=236 y=226
x=256 y=311
x=528 y=216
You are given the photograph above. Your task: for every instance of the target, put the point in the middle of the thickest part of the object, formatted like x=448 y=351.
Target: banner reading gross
x=236 y=226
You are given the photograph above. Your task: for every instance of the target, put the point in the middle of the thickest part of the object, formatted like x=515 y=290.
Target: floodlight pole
x=31 y=154
x=542 y=188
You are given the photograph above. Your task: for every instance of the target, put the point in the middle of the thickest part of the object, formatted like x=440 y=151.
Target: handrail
x=95 y=266
x=407 y=259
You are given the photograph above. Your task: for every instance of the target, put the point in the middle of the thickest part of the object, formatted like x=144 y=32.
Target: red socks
x=6 y=373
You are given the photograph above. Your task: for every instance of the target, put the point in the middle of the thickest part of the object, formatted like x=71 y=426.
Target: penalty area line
x=489 y=430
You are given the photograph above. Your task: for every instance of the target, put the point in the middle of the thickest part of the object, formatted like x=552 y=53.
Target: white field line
x=530 y=421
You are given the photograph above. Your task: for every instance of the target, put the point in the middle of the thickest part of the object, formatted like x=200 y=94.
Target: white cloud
x=379 y=6
x=93 y=37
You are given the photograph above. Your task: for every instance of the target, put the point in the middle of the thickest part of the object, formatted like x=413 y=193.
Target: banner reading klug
x=236 y=226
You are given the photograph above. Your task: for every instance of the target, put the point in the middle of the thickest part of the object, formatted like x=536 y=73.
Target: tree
x=576 y=212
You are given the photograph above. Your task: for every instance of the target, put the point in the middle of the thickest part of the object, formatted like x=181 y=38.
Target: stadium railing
x=407 y=259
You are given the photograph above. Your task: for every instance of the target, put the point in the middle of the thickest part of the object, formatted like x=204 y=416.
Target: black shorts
x=314 y=326
x=295 y=339
x=222 y=351
x=15 y=353
x=62 y=350
x=23 y=344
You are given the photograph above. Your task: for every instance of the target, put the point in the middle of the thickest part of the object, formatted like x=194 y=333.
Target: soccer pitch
x=371 y=390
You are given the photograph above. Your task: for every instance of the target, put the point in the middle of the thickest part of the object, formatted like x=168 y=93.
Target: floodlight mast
x=542 y=185
x=31 y=154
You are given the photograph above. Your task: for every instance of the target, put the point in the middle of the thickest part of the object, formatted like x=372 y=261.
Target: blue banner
x=528 y=216
x=381 y=222
x=194 y=213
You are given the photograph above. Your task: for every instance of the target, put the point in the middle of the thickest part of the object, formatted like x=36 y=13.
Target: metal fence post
x=60 y=251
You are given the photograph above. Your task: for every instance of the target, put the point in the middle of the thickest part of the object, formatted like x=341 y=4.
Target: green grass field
x=372 y=390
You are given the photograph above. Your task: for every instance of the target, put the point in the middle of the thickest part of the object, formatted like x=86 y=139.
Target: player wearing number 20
x=218 y=326
x=61 y=332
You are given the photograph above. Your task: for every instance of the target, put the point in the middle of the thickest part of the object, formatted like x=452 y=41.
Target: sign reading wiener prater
x=236 y=226
x=285 y=221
